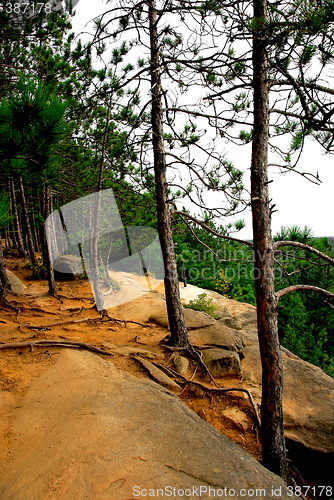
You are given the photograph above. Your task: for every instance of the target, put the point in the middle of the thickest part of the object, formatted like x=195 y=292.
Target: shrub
x=201 y=303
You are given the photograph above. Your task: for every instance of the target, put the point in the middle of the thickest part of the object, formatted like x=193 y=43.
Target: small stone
x=198 y=392
x=181 y=365
x=16 y=284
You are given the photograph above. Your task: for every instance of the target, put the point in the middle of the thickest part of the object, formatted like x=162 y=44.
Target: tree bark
x=17 y=222
x=27 y=223
x=49 y=265
x=272 y=432
x=177 y=325
x=42 y=228
x=35 y=234
x=4 y=281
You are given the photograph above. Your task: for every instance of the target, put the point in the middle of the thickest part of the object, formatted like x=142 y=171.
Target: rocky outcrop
x=194 y=319
x=308 y=394
x=181 y=365
x=308 y=398
x=86 y=430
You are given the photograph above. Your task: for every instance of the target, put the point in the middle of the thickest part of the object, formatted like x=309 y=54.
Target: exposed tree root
x=54 y=343
x=60 y=323
x=82 y=320
x=212 y=389
x=198 y=355
x=76 y=298
x=110 y=318
x=195 y=353
x=4 y=303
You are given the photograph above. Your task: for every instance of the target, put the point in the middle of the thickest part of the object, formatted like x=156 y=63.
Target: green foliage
x=306 y=323
x=5 y=216
x=298 y=335
x=246 y=137
x=202 y=303
x=228 y=270
x=220 y=284
x=31 y=126
x=39 y=271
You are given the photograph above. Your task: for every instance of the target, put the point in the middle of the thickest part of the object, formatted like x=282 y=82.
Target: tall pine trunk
x=27 y=224
x=272 y=432
x=46 y=253
x=4 y=281
x=177 y=325
x=35 y=233
x=17 y=221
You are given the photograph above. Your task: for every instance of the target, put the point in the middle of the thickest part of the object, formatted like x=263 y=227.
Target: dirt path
x=80 y=322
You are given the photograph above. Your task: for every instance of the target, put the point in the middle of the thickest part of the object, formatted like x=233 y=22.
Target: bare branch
x=297 y=244
x=210 y=230
x=309 y=288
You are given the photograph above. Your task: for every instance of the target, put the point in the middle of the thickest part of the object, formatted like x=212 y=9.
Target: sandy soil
x=35 y=315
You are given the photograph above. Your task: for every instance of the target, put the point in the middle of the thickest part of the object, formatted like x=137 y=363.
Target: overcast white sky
x=298 y=201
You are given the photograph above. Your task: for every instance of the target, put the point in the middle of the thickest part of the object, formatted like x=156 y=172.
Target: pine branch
x=297 y=244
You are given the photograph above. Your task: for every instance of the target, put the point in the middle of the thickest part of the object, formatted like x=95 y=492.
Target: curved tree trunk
x=177 y=325
x=272 y=432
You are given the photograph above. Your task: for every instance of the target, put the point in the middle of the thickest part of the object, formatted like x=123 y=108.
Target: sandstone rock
x=308 y=397
x=181 y=365
x=218 y=335
x=198 y=391
x=160 y=319
x=86 y=430
x=197 y=319
x=157 y=374
x=236 y=417
x=141 y=308
x=222 y=362
x=193 y=319
x=190 y=292
x=16 y=284
x=221 y=311
x=231 y=323
x=247 y=317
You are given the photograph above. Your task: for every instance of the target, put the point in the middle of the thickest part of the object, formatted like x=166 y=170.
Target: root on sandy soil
x=54 y=343
x=175 y=374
